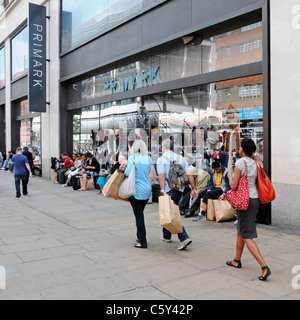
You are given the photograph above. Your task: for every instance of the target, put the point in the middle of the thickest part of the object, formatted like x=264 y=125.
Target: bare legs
x=252 y=247
x=84 y=183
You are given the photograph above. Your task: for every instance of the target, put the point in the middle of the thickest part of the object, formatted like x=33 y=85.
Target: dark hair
x=216 y=164
x=248 y=146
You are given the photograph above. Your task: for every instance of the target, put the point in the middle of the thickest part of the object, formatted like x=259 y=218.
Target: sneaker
x=184 y=244
x=165 y=240
x=201 y=217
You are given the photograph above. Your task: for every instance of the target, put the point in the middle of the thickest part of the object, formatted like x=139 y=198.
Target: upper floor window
x=4 y=4
x=85 y=20
x=19 y=54
x=2 y=67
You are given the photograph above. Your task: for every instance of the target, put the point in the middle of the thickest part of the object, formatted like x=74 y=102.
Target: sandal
x=230 y=264
x=264 y=278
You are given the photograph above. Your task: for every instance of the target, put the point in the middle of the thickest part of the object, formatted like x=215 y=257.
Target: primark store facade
x=197 y=71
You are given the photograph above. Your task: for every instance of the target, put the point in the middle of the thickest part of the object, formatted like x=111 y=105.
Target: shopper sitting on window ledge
x=68 y=163
x=92 y=170
x=217 y=188
x=37 y=164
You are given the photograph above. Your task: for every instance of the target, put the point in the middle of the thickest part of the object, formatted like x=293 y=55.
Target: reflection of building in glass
x=30 y=128
x=83 y=23
x=239 y=46
x=233 y=48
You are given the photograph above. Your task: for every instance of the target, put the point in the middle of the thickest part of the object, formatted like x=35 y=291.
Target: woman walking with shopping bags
x=246 y=227
x=141 y=162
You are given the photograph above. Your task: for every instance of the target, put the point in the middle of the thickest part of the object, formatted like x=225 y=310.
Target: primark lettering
x=128 y=83
x=38 y=56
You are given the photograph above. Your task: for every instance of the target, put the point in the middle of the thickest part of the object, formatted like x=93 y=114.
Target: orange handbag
x=266 y=192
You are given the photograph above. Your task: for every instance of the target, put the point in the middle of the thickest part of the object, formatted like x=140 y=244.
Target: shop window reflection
x=176 y=61
x=82 y=22
x=30 y=134
x=30 y=128
x=198 y=119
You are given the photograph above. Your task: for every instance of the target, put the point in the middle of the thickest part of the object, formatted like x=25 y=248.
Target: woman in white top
x=246 y=227
x=76 y=169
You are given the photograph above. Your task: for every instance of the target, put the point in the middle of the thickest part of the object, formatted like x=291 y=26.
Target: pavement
x=60 y=244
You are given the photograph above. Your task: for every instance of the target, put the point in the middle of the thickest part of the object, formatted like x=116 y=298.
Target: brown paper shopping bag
x=90 y=184
x=169 y=215
x=223 y=210
x=210 y=214
x=111 y=188
x=54 y=177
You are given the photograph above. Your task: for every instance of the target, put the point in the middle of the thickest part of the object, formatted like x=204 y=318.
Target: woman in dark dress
x=246 y=227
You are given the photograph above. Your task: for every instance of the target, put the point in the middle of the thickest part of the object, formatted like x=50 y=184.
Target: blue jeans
x=176 y=197
x=18 y=179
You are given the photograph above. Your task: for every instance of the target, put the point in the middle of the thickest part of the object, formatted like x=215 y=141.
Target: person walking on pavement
x=21 y=165
x=163 y=169
x=28 y=154
x=138 y=202
x=246 y=227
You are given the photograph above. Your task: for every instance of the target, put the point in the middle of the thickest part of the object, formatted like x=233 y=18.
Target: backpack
x=177 y=176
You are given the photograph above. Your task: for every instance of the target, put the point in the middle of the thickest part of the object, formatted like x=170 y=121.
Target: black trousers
x=138 y=207
x=186 y=201
x=215 y=193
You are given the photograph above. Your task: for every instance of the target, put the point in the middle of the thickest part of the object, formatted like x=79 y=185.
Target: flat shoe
x=139 y=245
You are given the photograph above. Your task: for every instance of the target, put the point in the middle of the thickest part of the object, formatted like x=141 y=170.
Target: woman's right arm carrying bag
x=266 y=192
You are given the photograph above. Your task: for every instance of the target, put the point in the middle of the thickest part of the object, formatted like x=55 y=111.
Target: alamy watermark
x=296 y=279
x=2 y=278
x=296 y=17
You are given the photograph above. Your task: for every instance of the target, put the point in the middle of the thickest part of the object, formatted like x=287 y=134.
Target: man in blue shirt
x=224 y=157
x=163 y=167
x=21 y=166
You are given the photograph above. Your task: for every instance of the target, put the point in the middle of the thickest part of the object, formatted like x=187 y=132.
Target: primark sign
x=141 y=79
x=37 y=58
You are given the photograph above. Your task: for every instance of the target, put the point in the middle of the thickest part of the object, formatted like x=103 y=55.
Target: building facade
x=205 y=73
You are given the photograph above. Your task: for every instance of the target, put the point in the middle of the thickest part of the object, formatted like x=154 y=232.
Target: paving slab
x=60 y=244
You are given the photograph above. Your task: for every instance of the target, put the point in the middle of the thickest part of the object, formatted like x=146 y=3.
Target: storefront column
x=8 y=128
x=50 y=121
x=2 y=128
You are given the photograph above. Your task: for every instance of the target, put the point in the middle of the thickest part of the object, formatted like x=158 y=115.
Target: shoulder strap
x=246 y=169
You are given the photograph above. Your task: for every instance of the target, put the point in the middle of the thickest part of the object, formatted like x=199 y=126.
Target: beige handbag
x=127 y=188
x=169 y=215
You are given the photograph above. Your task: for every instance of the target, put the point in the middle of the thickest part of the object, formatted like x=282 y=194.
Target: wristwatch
x=162 y=191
